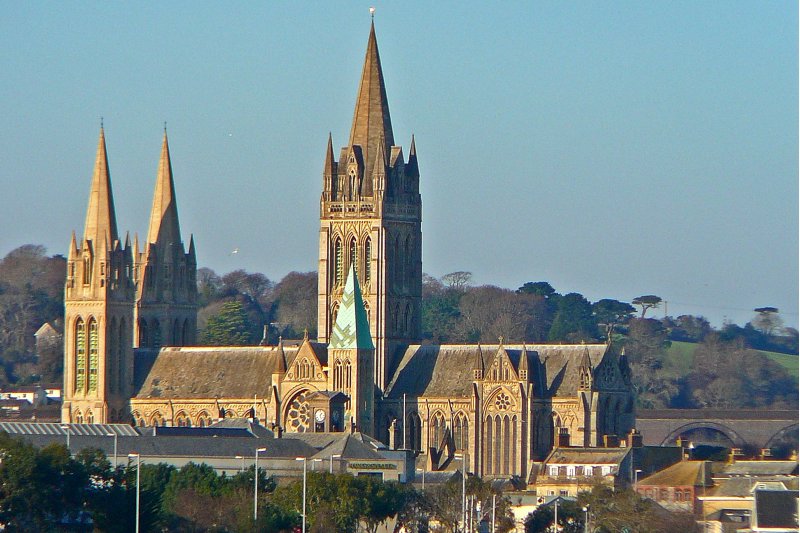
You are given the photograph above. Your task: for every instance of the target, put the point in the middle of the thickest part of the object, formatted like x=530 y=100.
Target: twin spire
x=101 y=222
x=164 y=226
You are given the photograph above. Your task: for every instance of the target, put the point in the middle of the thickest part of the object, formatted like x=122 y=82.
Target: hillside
x=679 y=359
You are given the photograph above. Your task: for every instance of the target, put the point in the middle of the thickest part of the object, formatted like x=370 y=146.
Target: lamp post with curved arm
x=255 y=486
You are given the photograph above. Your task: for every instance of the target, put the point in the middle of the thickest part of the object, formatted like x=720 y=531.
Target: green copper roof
x=351 y=330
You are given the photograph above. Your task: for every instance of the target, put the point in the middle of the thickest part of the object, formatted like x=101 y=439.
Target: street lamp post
x=242 y=458
x=423 y=476
x=305 y=470
x=463 y=458
x=115 y=446
x=255 y=486
x=338 y=456
x=313 y=464
x=586 y=519
x=555 y=518
x=494 y=502
x=138 y=483
x=66 y=427
x=636 y=480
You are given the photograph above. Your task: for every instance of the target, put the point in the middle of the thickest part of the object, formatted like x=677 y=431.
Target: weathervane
x=372 y=12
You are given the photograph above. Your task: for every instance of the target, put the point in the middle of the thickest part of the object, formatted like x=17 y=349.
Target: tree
x=296 y=303
x=612 y=312
x=209 y=285
x=646 y=347
x=767 y=320
x=648 y=301
x=570 y=518
x=458 y=280
x=726 y=374
x=611 y=511
x=690 y=328
x=229 y=327
x=574 y=320
x=489 y=312
x=539 y=288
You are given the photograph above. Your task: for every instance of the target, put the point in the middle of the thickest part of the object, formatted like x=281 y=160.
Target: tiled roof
x=446 y=370
x=587 y=456
x=209 y=372
x=761 y=468
x=685 y=473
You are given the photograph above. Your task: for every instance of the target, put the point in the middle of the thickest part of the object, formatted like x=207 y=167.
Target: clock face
x=320 y=416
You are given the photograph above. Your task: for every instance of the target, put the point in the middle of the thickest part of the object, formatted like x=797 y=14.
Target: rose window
x=298 y=418
x=503 y=402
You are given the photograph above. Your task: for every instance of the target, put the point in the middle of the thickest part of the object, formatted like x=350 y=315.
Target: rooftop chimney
x=563 y=438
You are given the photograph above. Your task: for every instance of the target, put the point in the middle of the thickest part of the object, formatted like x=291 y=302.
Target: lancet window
x=80 y=356
x=337 y=262
x=94 y=356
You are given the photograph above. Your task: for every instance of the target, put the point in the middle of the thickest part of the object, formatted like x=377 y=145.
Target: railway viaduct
x=744 y=428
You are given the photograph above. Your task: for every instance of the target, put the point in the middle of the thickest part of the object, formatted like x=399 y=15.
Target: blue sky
x=610 y=148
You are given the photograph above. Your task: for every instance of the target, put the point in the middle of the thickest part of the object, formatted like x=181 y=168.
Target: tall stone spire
x=101 y=222
x=372 y=124
x=164 y=227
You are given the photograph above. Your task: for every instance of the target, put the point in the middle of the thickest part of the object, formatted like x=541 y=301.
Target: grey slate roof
x=586 y=456
x=349 y=447
x=446 y=370
x=761 y=468
x=211 y=372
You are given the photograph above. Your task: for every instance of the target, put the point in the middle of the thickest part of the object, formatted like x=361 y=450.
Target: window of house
x=570 y=471
x=606 y=470
x=553 y=470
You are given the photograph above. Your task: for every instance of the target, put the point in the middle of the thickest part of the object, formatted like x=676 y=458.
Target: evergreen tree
x=229 y=327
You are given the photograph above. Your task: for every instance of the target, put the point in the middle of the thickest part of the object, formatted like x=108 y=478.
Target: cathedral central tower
x=371 y=218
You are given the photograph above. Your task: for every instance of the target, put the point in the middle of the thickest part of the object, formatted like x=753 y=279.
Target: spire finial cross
x=165 y=126
x=101 y=123
x=372 y=12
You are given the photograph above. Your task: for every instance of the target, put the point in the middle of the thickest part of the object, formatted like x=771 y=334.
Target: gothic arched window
x=461 y=432
x=94 y=356
x=87 y=271
x=182 y=420
x=80 y=356
x=203 y=419
x=367 y=261
x=155 y=326
x=185 y=333
x=414 y=431
x=113 y=355
x=144 y=338
x=337 y=262
x=121 y=349
x=437 y=430
x=353 y=255
x=407 y=260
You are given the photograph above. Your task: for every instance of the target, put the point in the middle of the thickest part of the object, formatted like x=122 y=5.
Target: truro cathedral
x=131 y=351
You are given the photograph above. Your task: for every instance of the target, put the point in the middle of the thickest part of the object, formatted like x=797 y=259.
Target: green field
x=679 y=359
